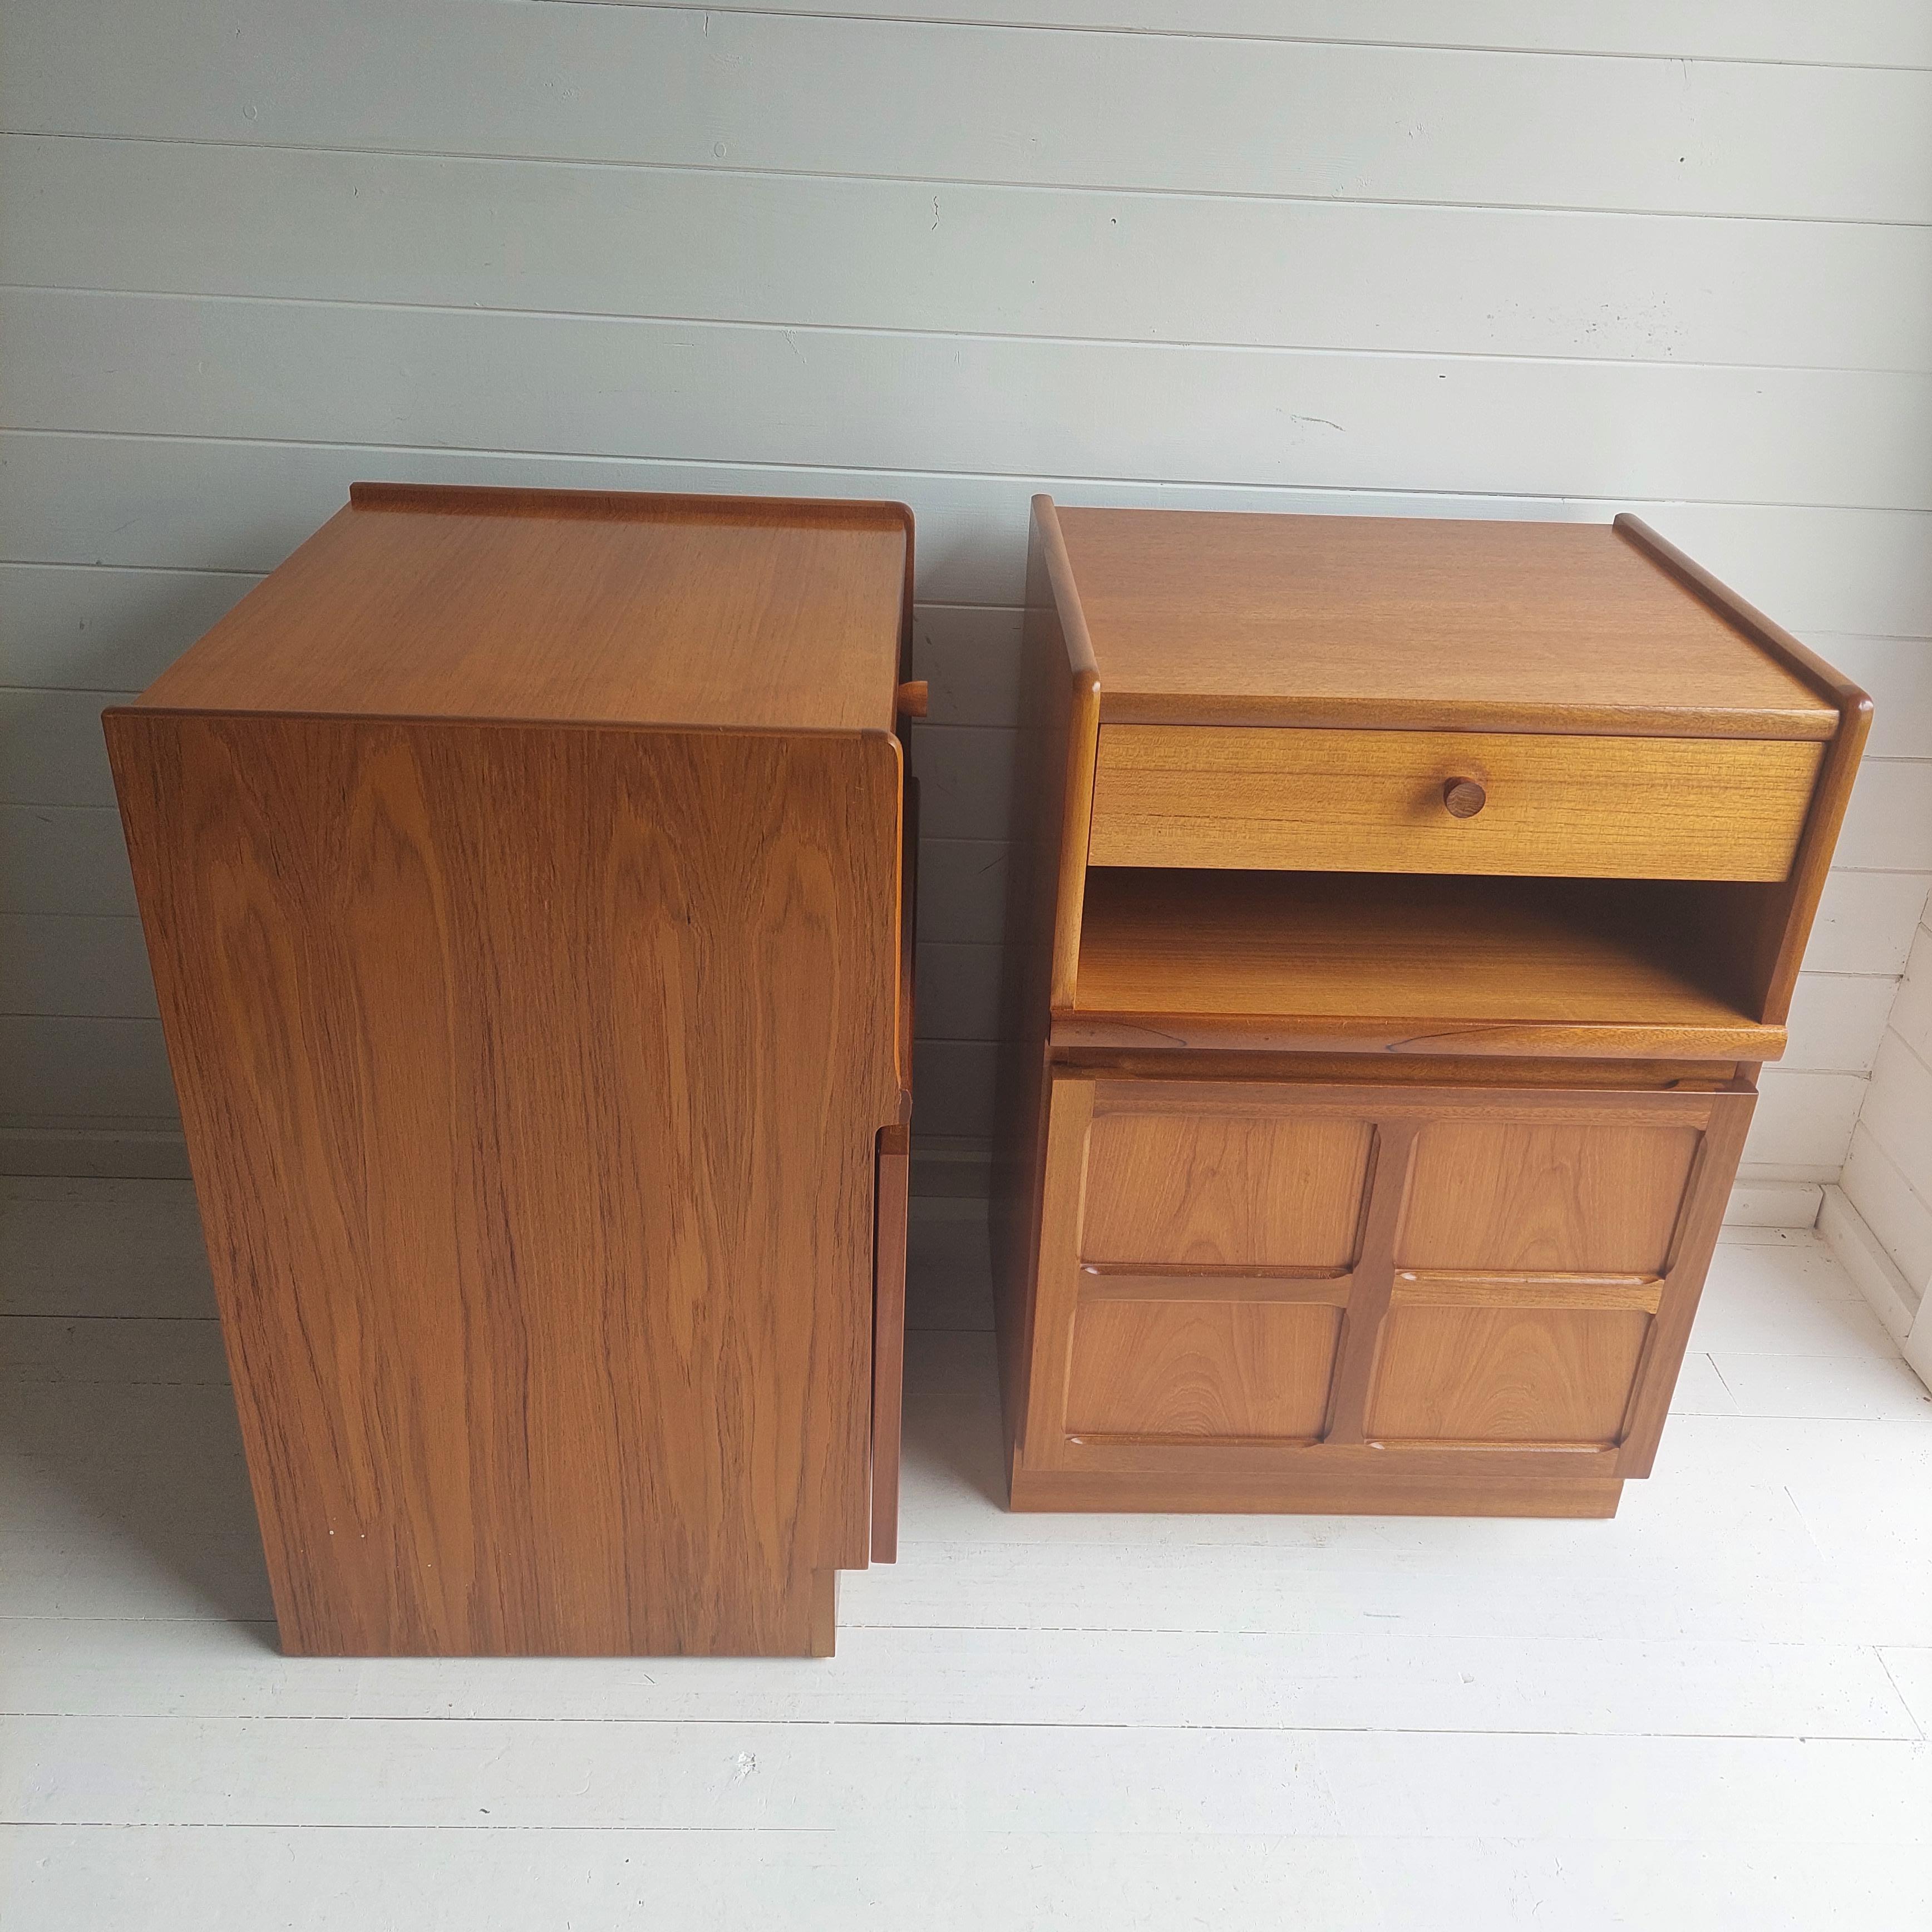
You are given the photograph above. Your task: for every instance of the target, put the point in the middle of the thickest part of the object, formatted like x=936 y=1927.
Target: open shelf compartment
x=1396 y=954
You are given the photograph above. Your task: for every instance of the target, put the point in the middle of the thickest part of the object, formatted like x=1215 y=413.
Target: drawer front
x=1376 y=802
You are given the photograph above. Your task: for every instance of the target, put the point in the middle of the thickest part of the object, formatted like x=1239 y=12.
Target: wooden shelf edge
x=1748 y=1040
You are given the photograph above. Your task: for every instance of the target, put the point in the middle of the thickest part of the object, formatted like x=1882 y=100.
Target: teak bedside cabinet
x=1410 y=906
x=523 y=874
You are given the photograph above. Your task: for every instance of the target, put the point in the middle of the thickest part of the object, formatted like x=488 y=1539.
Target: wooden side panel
x=1227 y=1189
x=888 y=1287
x=1505 y=1375
x=1052 y=790
x=1535 y=1196
x=1201 y=1369
x=1759 y=932
x=1373 y=801
x=532 y=1078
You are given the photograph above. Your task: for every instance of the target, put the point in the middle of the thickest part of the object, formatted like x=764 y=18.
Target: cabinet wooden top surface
x=423 y=602
x=1216 y=618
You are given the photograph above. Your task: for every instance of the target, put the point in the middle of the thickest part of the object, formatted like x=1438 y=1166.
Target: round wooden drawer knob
x=1463 y=798
x=909 y=699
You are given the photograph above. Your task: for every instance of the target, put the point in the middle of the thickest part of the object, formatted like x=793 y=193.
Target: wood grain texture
x=1438 y=1288
x=1580 y=806
x=1214 y=617
x=1523 y=1195
x=584 y=606
x=531 y=1077
x=892 y=1192
x=1369 y=1286
x=1073 y=796
x=1430 y=964
x=1565 y=1229
x=1505 y=1375
x=1692 y=1245
x=1051 y=800
x=1329 y=1287
x=1311 y=1491
x=1203 y=1369
x=1369 y=790
x=1324 y=1069
x=1223 y=1185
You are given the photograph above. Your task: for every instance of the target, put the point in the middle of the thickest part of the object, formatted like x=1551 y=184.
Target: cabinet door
x=1196 y=1261
x=1529 y=1269
x=1406 y=1273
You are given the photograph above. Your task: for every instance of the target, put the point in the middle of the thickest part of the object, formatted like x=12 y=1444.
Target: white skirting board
x=1862 y=1255
x=1772 y=1203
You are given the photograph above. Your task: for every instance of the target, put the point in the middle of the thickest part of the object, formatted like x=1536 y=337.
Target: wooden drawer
x=1307 y=800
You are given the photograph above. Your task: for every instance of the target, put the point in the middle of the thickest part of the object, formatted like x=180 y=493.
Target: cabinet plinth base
x=1326 y=1493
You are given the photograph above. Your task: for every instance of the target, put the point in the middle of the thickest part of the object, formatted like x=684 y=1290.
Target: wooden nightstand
x=1411 y=907
x=524 y=877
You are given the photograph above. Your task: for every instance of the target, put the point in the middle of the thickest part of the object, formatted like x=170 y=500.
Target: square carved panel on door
x=1265 y=1189
x=1547 y=1198
x=1506 y=1374
x=1201 y=1370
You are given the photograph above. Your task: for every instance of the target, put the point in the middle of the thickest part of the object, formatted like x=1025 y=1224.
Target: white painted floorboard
x=1709 y=1712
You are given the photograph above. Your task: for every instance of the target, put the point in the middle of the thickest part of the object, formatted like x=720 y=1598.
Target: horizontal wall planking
x=965 y=779
x=970 y=656
x=104 y=630
x=958 y=991
x=211 y=505
x=953 y=1083
x=1889 y=824
x=185 y=366
x=852 y=97
x=472 y=232
x=1912 y=1013
x=52 y=751
x=68 y=859
x=1893 y=1210
x=1898 y=1115
x=1897 y=672
x=1802 y=1128
x=1838 y=1020
x=72 y=1070
x=1881 y=33
x=962 y=890
x=61 y=965
x=1866 y=921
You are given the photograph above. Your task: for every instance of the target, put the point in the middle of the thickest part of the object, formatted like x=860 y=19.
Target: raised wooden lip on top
x=1422 y=623
x=541 y=606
